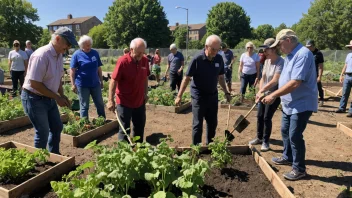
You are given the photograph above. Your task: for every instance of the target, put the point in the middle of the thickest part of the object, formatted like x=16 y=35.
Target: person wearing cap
x=156 y=65
x=42 y=89
x=86 y=76
x=248 y=70
x=29 y=51
x=230 y=59
x=298 y=93
x=346 y=79
x=268 y=83
x=175 y=63
x=129 y=83
x=18 y=63
x=207 y=70
x=319 y=63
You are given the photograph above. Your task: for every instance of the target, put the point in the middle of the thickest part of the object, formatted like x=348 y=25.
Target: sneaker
x=349 y=115
x=280 y=161
x=321 y=103
x=340 y=111
x=265 y=147
x=294 y=175
x=255 y=141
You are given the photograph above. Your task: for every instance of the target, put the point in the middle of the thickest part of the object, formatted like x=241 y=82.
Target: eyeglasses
x=250 y=47
x=281 y=41
x=214 y=49
x=16 y=45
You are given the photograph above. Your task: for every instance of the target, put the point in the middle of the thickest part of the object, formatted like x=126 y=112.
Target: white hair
x=211 y=39
x=173 y=46
x=133 y=43
x=250 y=44
x=84 y=39
x=28 y=41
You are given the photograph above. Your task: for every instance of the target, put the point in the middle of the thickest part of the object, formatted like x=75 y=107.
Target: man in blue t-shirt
x=175 y=63
x=230 y=58
x=206 y=69
x=298 y=92
x=86 y=76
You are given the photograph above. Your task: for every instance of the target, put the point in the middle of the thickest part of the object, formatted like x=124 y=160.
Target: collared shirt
x=318 y=58
x=229 y=57
x=45 y=66
x=17 y=59
x=175 y=61
x=349 y=63
x=86 y=65
x=249 y=63
x=299 y=65
x=205 y=75
x=131 y=77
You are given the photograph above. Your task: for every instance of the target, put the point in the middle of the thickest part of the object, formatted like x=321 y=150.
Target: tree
x=229 y=21
x=196 y=44
x=328 y=23
x=16 y=22
x=242 y=44
x=279 y=28
x=263 y=32
x=45 y=39
x=180 y=35
x=127 y=20
x=98 y=34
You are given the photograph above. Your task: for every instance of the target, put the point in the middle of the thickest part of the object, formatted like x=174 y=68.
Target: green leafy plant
x=250 y=94
x=219 y=153
x=165 y=97
x=16 y=163
x=77 y=125
x=69 y=93
x=10 y=108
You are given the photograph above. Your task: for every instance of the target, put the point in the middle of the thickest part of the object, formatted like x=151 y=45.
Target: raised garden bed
x=56 y=166
x=5 y=88
x=345 y=127
x=171 y=109
x=8 y=82
x=333 y=91
x=20 y=122
x=90 y=135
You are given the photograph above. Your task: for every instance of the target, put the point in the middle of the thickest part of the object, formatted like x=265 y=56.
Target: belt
x=348 y=74
x=34 y=94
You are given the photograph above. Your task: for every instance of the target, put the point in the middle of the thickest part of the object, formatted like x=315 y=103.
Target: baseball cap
x=350 y=45
x=284 y=33
x=267 y=43
x=310 y=43
x=16 y=41
x=67 y=34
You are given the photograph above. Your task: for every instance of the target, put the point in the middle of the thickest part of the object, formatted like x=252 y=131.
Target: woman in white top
x=18 y=63
x=269 y=83
x=248 y=70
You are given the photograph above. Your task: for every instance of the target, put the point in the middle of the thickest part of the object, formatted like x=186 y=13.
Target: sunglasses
x=16 y=45
x=250 y=47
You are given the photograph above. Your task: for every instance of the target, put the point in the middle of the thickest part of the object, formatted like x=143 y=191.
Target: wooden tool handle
x=228 y=117
x=250 y=110
x=123 y=128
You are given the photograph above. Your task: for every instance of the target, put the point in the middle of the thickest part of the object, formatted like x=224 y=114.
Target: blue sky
x=272 y=12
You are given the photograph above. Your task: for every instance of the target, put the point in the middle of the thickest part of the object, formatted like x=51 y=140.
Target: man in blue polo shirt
x=175 y=63
x=299 y=93
x=206 y=69
x=228 y=66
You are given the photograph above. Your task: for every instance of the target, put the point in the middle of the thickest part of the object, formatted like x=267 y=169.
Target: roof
x=191 y=26
x=66 y=21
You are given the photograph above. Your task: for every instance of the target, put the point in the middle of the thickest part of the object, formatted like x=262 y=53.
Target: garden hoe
x=124 y=130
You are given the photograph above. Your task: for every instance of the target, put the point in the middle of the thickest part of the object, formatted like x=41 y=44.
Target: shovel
x=227 y=132
x=123 y=129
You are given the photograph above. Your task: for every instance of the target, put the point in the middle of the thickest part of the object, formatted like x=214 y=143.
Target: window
x=54 y=27
x=50 y=27
x=77 y=26
x=69 y=26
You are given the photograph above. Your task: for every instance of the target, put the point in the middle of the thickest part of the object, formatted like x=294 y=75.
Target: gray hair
x=173 y=46
x=294 y=39
x=28 y=41
x=133 y=43
x=84 y=39
x=211 y=38
x=250 y=44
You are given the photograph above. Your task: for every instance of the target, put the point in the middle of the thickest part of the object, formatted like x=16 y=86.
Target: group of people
x=292 y=81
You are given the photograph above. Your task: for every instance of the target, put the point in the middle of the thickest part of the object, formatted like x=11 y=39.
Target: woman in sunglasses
x=18 y=63
x=248 y=70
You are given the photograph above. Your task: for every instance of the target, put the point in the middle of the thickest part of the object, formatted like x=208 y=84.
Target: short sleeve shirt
x=318 y=58
x=175 y=61
x=249 y=62
x=156 y=59
x=270 y=69
x=131 y=77
x=86 y=65
x=229 y=57
x=29 y=52
x=205 y=75
x=349 y=63
x=299 y=65
x=17 y=59
x=45 y=66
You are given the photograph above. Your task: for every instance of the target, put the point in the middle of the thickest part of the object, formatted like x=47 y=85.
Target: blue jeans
x=138 y=117
x=45 y=117
x=347 y=84
x=84 y=96
x=204 y=108
x=264 y=119
x=292 y=128
x=247 y=79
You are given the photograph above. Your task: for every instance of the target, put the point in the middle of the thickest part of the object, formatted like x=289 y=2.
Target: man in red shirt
x=129 y=83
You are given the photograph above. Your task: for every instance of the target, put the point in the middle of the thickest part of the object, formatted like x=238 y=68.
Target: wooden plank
x=239 y=150
x=226 y=106
x=63 y=166
x=89 y=136
x=331 y=93
x=8 y=82
x=331 y=84
x=171 y=109
x=344 y=128
x=274 y=179
x=20 y=122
